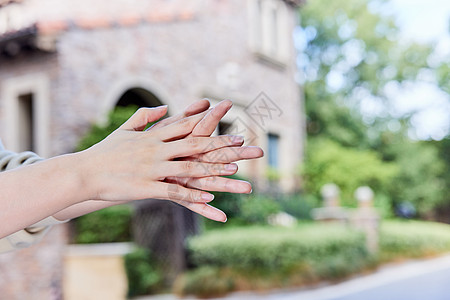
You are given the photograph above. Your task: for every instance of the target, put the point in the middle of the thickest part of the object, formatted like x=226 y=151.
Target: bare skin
x=226 y=155
x=129 y=165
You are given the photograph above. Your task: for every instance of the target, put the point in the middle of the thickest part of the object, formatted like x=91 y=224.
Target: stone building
x=64 y=64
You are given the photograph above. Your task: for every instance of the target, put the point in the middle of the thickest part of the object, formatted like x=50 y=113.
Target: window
x=273 y=151
x=25 y=123
x=269 y=29
x=274 y=32
x=27 y=113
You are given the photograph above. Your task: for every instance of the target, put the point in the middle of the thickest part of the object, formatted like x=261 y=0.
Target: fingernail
x=237 y=139
x=226 y=219
x=231 y=167
x=161 y=106
x=207 y=197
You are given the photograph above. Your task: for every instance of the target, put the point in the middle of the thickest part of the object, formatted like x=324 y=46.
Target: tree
x=327 y=161
x=352 y=57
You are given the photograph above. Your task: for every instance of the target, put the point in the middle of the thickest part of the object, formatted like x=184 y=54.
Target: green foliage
x=443 y=147
x=326 y=118
x=276 y=249
x=250 y=257
x=261 y=257
x=348 y=168
x=142 y=275
x=405 y=239
x=348 y=41
x=443 y=75
x=204 y=282
x=272 y=174
x=99 y=132
x=419 y=180
x=256 y=209
x=384 y=205
x=351 y=57
x=108 y=225
x=298 y=205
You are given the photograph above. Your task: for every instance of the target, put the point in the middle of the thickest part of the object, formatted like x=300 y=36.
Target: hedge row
x=112 y=224
x=270 y=248
x=409 y=239
x=261 y=258
x=255 y=258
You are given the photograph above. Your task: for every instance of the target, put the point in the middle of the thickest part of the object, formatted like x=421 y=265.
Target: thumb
x=143 y=116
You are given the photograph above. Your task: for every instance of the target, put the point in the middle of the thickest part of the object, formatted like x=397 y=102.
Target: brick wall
x=178 y=53
x=34 y=273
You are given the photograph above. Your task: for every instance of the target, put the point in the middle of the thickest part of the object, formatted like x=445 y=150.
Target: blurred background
x=349 y=99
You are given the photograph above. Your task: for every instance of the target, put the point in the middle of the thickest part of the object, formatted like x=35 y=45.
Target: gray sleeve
x=34 y=233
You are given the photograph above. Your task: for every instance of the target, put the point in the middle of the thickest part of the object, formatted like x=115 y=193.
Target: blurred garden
x=350 y=59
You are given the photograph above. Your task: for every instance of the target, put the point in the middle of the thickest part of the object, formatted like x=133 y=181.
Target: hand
x=213 y=183
x=225 y=155
x=130 y=164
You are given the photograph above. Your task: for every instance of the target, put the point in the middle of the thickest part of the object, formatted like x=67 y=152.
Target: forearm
x=83 y=208
x=32 y=193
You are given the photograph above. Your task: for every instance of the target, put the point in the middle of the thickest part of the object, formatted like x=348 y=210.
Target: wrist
x=75 y=174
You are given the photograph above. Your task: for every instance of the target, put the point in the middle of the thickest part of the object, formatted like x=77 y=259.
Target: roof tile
x=52 y=27
x=129 y=20
x=93 y=23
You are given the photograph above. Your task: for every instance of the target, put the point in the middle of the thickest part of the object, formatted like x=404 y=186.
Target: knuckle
x=193 y=196
x=203 y=210
x=185 y=121
x=222 y=140
x=207 y=157
x=189 y=198
x=188 y=166
x=193 y=143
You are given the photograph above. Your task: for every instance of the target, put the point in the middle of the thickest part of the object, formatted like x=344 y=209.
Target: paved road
x=417 y=280
x=435 y=286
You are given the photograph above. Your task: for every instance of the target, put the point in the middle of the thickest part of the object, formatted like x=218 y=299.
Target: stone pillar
x=331 y=211
x=330 y=195
x=366 y=217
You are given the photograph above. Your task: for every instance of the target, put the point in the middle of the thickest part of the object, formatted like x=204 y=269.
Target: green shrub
x=269 y=248
x=205 y=282
x=348 y=168
x=273 y=257
x=405 y=239
x=262 y=257
x=143 y=277
x=112 y=224
x=419 y=180
x=298 y=205
x=256 y=208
